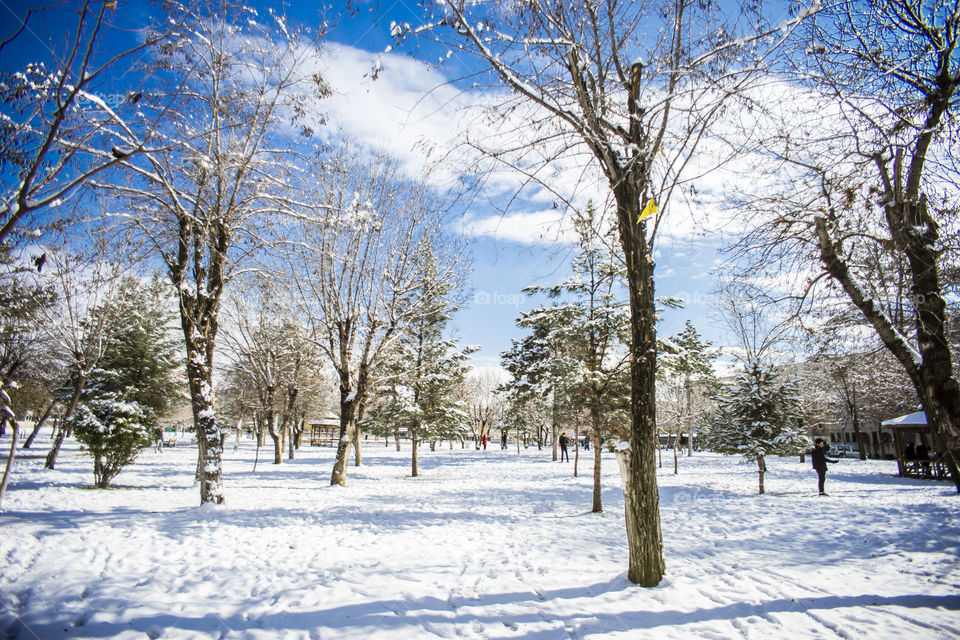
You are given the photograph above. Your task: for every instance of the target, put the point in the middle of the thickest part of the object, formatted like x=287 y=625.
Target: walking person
x=503 y=440
x=818 y=455
x=564 y=442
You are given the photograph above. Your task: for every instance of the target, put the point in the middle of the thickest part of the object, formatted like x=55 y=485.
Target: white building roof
x=918 y=418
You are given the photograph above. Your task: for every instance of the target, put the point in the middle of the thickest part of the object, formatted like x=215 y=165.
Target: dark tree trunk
x=51 y=460
x=8 y=468
x=597 y=451
x=932 y=375
x=641 y=494
x=761 y=469
x=676 y=445
x=414 y=458
x=39 y=425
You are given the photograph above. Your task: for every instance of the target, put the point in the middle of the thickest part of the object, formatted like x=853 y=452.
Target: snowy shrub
x=114 y=433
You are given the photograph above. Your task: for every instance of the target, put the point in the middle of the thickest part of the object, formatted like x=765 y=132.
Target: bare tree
x=356 y=271
x=86 y=286
x=63 y=124
x=484 y=403
x=270 y=354
x=867 y=161
x=634 y=89
x=21 y=342
x=209 y=202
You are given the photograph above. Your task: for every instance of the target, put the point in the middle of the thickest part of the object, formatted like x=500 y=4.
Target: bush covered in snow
x=114 y=433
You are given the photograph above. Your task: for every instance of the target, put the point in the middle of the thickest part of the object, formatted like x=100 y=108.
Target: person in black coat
x=818 y=455
x=564 y=455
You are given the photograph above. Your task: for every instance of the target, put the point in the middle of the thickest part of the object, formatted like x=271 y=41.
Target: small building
x=874 y=440
x=913 y=428
x=325 y=431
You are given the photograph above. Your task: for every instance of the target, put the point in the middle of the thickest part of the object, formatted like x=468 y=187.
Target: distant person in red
x=819 y=458
x=484 y=443
x=563 y=447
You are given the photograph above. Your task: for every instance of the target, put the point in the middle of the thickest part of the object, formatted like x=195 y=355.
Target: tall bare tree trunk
x=39 y=424
x=761 y=469
x=51 y=460
x=676 y=445
x=357 y=456
x=414 y=459
x=641 y=494
x=597 y=456
x=8 y=469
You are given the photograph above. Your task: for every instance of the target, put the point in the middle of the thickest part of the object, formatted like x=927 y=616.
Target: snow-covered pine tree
x=757 y=415
x=424 y=373
x=684 y=372
x=591 y=320
x=114 y=433
x=143 y=353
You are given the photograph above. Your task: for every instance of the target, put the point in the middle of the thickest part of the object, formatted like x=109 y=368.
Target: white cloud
x=539 y=227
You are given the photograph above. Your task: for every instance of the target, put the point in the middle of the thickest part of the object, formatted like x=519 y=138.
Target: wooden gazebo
x=913 y=428
x=325 y=432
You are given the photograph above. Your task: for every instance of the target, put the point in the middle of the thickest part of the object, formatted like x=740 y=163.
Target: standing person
x=563 y=447
x=503 y=440
x=818 y=456
x=484 y=443
x=910 y=453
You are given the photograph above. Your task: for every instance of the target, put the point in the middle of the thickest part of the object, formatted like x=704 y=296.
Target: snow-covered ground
x=484 y=544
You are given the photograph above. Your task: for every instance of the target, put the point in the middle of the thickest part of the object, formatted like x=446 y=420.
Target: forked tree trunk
x=348 y=408
x=916 y=235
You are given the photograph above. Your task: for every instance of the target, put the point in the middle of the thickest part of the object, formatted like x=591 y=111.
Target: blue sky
x=512 y=250
x=412 y=102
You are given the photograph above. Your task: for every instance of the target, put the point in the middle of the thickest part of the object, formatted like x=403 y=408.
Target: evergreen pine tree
x=142 y=359
x=420 y=380
x=757 y=415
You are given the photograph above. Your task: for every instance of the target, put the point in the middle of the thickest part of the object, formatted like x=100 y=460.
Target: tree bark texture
x=646 y=564
x=210 y=454
x=597 y=451
x=929 y=367
x=348 y=408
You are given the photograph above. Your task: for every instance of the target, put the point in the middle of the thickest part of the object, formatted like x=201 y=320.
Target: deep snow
x=484 y=544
